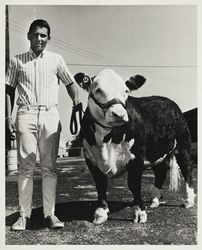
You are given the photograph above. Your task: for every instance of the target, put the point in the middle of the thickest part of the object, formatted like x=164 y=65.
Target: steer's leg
x=160 y=172
x=101 y=213
x=186 y=165
x=134 y=170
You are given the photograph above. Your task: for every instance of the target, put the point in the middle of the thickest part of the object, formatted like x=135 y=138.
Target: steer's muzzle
x=116 y=115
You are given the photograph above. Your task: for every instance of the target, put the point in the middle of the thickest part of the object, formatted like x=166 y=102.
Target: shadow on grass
x=66 y=212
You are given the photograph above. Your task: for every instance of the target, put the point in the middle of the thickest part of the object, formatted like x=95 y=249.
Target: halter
x=90 y=117
x=106 y=105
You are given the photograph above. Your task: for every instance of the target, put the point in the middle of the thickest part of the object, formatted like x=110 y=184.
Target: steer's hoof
x=101 y=215
x=155 y=203
x=139 y=215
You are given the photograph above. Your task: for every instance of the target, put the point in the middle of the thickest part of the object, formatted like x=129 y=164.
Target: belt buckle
x=40 y=107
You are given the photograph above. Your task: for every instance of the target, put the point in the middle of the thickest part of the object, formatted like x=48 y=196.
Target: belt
x=38 y=107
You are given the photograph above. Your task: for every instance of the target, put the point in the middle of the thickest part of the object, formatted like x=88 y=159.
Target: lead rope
x=73 y=120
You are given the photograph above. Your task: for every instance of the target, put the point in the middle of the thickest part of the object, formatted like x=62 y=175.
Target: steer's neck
x=96 y=118
x=100 y=133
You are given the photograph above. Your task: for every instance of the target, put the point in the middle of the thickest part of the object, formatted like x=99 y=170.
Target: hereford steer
x=122 y=133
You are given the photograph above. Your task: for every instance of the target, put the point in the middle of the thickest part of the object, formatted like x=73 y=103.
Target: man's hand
x=11 y=128
x=76 y=102
x=73 y=93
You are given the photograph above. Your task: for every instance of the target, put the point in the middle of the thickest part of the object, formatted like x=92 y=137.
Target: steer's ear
x=135 y=82
x=83 y=81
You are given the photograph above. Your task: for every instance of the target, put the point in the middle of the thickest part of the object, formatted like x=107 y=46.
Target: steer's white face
x=106 y=86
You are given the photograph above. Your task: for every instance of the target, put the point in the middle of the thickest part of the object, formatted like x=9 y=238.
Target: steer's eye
x=126 y=93
x=99 y=91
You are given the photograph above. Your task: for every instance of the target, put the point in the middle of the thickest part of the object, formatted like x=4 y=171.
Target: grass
x=169 y=224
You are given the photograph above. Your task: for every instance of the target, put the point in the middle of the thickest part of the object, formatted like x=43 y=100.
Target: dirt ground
x=169 y=224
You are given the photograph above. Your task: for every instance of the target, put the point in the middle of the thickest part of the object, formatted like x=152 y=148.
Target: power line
x=106 y=62
x=93 y=56
x=133 y=66
x=71 y=48
x=87 y=55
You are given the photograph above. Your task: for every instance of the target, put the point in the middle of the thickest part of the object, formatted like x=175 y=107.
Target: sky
x=156 y=41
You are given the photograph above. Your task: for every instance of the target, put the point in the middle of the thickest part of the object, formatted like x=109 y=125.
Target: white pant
x=37 y=126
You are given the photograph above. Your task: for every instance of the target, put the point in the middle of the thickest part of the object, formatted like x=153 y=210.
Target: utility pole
x=7 y=38
x=11 y=152
x=7 y=56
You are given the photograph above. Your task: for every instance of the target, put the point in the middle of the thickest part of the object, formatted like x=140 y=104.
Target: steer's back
x=155 y=122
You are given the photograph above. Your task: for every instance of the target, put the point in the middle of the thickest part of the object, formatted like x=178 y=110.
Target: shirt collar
x=41 y=54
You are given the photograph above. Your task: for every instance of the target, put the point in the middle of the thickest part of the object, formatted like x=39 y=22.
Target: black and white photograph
x=101 y=126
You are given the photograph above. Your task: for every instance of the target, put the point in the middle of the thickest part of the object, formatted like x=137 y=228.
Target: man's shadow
x=67 y=212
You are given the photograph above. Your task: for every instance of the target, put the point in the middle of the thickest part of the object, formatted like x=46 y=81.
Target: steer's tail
x=174 y=174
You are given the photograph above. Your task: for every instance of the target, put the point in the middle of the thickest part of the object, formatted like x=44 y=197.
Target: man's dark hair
x=40 y=23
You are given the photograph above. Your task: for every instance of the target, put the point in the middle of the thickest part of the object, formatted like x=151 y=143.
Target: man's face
x=38 y=39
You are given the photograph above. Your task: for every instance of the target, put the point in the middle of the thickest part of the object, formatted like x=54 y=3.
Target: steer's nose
x=120 y=116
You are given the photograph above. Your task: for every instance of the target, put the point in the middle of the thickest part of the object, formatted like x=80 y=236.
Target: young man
x=36 y=75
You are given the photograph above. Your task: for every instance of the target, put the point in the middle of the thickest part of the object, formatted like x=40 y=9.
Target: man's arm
x=73 y=93
x=67 y=78
x=10 y=97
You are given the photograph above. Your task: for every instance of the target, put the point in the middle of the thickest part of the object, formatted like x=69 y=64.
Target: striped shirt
x=37 y=78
